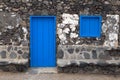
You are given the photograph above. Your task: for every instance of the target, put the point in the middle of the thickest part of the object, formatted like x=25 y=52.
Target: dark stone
x=77 y=50
x=44 y=12
x=113 y=52
x=25 y=55
x=46 y=2
x=12 y=0
x=9 y=48
x=24 y=43
x=52 y=11
x=71 y=50
x=82 y=64
x=4 y=63
x=86 y=55
x=59 y=7
x=3 y=54
x=15 y=48
x=94 y=54
x=37 y=12
x=102 y=63
x=13 y=55
x=6 y=40
x=18 y=0
x=60 y=69
x=116 y=58
x=20 y=51
x=83 y=49
x=25 y=10
x=80 y=53
x=105 y=55
x=60 y=54
x=102 y=56
x=99 y=49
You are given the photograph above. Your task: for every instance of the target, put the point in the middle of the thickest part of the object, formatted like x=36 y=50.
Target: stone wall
x=13 y=38
x=14 y=27
x=71 y=48
x=76 y=54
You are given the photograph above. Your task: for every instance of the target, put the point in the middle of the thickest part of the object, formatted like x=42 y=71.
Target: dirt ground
x=60 y=76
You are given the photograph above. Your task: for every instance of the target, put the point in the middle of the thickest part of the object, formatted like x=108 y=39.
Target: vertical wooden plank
x=54 y=43
x=94 y=26
x=84 y=29
x=34 y=45
x=40 y=39
x=45 y=42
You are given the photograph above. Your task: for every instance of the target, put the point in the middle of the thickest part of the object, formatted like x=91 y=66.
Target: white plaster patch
x=19 y=20
x=59 y=31
x=73 y=35
x=112 y=43
x=72 y=27
x=13 y=15
x=62 y=37
x=106 y=2
x=24 y=30
x=10 y=27
x=17 y=25
x=116 y=17
x=1 y=9
x=77 y=42
x=68 y=26
x=110 y=28
x=70 y=19
x=113 y=36
x=104 y=28
x=61 y=25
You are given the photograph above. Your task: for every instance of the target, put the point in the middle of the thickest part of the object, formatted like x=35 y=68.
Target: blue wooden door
x=42 y=41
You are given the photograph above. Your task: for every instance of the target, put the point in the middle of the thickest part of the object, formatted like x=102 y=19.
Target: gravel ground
x=61 y=76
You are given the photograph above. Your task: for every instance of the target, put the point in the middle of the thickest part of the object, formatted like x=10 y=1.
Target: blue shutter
x=90 y=26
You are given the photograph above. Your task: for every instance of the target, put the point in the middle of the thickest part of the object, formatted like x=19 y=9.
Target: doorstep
x=42 y=70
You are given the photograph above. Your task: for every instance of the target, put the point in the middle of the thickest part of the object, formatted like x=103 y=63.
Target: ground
x=60 y=76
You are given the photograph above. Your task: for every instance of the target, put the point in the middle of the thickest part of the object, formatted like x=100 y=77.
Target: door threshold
x=42 y=70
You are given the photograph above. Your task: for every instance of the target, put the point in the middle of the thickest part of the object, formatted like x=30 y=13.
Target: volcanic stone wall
x=71 y=48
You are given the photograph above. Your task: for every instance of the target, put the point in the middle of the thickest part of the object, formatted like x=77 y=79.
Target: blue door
x=42 y=41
